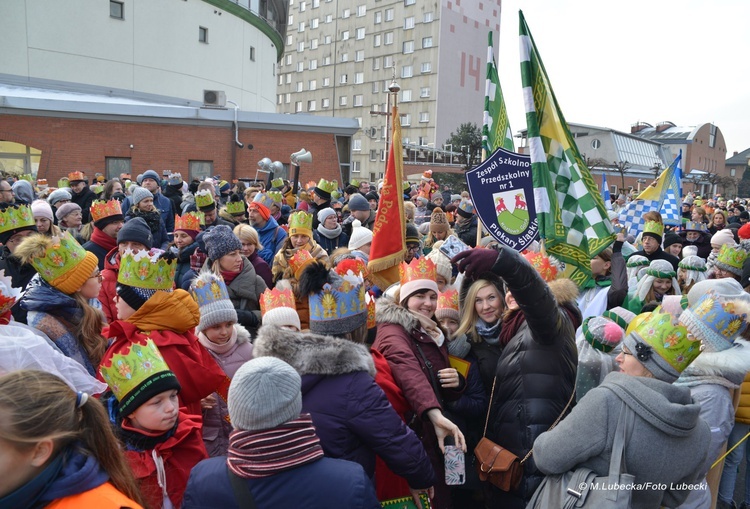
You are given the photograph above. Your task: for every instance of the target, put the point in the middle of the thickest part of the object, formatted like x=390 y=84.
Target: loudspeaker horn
x=301 y=156
x=264 y=163
x=277 y=166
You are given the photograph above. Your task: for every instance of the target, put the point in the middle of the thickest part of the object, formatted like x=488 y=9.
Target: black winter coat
x=536 y=371
x=84 y=200
x=20 y=274
x=467 y=232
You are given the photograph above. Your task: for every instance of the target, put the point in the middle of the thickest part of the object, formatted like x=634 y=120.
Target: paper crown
x=15 y=217
x=654 y=228
x=448 y=300
x=695 y=226
x=669 y=340
x=338 y=308
x=60 y=259
x=351 y=266
x=147 y=270
x=204 y=198
x=277 y=183
x=310 y=185
x=128 y=372
x=301 y=259
x=327 y=186
x=76 y=176
x=63 y=182
x=264 y=199
x=354 y=182
x=26 y=177
x=101 y=209
x=715 y=320
x=276 y=196
x=416 y=270
x=41 y=182
x=466 y=207
x=236 y=208
x=174 y=179
x=100 y=178
x=208 y=290
x=543 y=266
x=190 y=221
x=97 y=188
x=300 y=223
x=275 y=298
x=731 y=259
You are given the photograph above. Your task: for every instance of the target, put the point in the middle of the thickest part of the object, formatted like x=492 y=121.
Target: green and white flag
x=573 y=222
x=495 y=125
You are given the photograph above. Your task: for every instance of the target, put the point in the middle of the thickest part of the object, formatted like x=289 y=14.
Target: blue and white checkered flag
x=605 y=193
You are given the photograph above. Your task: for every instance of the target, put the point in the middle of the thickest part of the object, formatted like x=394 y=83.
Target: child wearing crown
x=147 y=307
x=300 y=237
x=162 y=443
x=229 y=343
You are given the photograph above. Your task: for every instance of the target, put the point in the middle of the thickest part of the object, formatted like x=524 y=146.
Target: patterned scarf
x=258 y=454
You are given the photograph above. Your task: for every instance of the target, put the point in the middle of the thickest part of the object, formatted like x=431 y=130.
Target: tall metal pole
x=393 y=90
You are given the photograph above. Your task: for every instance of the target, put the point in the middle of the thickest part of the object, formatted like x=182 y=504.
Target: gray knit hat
x=65 y=209
x=265 y=392
x=219 y=241
x=139 y=194
x=212 y=296
x=58 y=195
x=358 y=202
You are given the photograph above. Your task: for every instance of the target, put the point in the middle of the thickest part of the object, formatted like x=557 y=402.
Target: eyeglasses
x=99 y=277
x=414 y=247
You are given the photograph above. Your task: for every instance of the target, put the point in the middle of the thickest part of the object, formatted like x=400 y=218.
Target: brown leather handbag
x=497 y=464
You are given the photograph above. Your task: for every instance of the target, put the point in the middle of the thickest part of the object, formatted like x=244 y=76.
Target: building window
x=387 y=62
x=427 y=17
x=345 y=35
x=289 y=60
x=314 y=23
x=407 y=71
x=300 y=66
x=389 y=14
x=346 y=13
x=345 y=57
x=200 y=169
x=376 y=63
x=290 y=22
x=280 y=99
x=301 y=26
x=314 y=44
x=116 y=9
x=252 y=53
x=424 y=116
x=287 y=98
x=361 y=10
x=327 y=60
x=326 y=103
x=373 y=155
x=298 y=107
x=732 y=172
x=408 y=47
x=344 y=79
x=358 y=100
x=203 y=34
x=376 y=40
x=359 y=78
x=375 y=87
x=329 y=18
x=427 y=42
x=313 y=65
x=300 y=46
x=326 y=82
x=409 y=23
x=342 y=100
x=409 y=2
x=357 y=145
x=405 y=96
x=302 y=6
x=359 y=34
x=299 y=87
x=388 y=38
x=289 y=79
x=356 y=166
x=311 y=105
x=359 y=55
x=406 y=119
x=116 y=165
x=378 y=17
x=327 y=39
x=289 y=40
x=424 y=92
x=315 y=4
x=312 y=84
x=281 y=79
x=426 y=67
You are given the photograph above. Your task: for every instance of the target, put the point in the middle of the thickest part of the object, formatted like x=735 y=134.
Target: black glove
x=475 y=262
x=247 y=318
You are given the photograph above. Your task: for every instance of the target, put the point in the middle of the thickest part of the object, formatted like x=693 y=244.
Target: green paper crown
x=236 y=207
x=668 y=339
x=300 y=220
x=731 y=257
x=276 y=196
x=63 y=182
x=327 y=186
x=18 y=216
x=654 y=227
x=279 y=182
x=204 y=198
x=354 y=182
x=126 y=371
x=64 y=254
x=146 y=270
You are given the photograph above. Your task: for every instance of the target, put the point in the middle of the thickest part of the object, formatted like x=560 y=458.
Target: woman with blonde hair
x=44 y=218
x=60 y=448
x=251 y=246
x=62 y=300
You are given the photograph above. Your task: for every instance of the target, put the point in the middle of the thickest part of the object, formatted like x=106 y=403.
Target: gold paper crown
x=125 y=371
x=101 y=209
x=146 y=270
x=300 y=223
x=236 y=208
x=301 y=259
x=327 y=186
x=448 y=300
x=189 y=221
x=277 y=182
x=417 y=269
x=271 y=299
x=204 y=198
x=76 y=175
x=15 y=217
x=275 y=196
x=654 y=227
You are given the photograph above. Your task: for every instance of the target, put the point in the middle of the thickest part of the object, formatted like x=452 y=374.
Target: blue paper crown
x=338 y=309
x=206 y=290
x=715 y=320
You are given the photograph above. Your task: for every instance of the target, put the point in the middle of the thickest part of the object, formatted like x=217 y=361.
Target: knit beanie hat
x=220 y=241
x=140 y=194
x=136 y=230
x=672 y=238
x=438 y=221
x=358 y=202
x=59 y=195
x=212 y=296
x=662 y=345
x=689 y=251
x=744 y=231
x=731 y=258
x=722 y=237
x=447 y=305
x=442 y=262
x=423 y=229
x=265 y=392
x=719 y=316
x=150 y=174
x=360 y=235
x=277 y=307
x=412 y=233
x=65 y=209
x=40 y=208
x=325 y=213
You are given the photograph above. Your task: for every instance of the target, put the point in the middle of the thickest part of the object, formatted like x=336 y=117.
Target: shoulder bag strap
x=433 y=382
x=624 y=427
x=241 y=491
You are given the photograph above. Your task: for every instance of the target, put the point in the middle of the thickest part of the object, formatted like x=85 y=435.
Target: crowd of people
x=170 y=344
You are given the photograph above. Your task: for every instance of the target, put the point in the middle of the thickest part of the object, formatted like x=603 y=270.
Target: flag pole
x=479 y=223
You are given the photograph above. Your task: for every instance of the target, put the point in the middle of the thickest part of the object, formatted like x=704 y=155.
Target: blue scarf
x=489 y=333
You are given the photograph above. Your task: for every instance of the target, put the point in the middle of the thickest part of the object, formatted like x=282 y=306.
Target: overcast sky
x=612 y=64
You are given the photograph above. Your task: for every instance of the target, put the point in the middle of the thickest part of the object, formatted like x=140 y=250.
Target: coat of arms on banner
x=501 y=188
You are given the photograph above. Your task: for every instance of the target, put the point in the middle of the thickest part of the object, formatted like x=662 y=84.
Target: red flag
x=388 y=241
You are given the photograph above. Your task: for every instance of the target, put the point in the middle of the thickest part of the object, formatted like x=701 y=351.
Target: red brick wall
x=75 y=144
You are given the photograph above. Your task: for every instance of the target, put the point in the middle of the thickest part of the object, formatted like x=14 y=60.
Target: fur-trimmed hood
x=732 y=364
x=387 y=311
x=564 y=290
x=243 y=335
x=313 y=354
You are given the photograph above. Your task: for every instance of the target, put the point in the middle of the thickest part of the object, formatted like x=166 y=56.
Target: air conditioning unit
x=214 y=98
